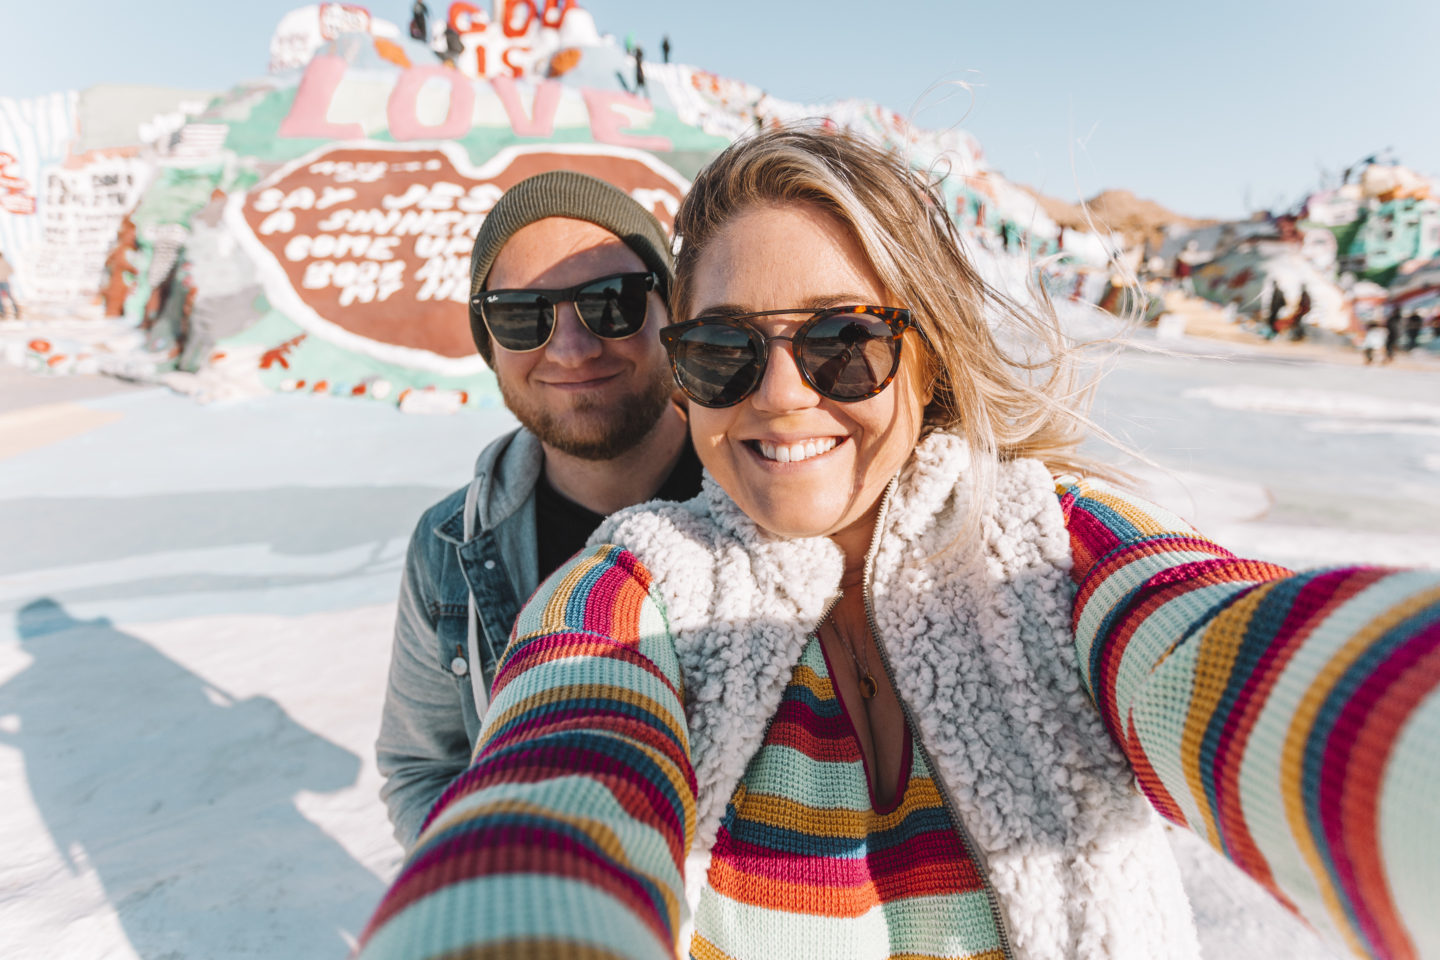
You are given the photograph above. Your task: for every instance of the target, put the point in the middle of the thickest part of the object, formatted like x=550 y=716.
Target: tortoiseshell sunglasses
x=846 y=354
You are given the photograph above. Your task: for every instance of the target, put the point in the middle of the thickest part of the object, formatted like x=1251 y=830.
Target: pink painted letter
x=607 y=125
x=312 y=101
x=541 y=122
x=400 y=111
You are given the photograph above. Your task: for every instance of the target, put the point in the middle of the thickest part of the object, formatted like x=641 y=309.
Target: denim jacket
x=430 y=723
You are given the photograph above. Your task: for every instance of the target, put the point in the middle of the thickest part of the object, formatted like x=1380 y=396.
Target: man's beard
x=593 y=429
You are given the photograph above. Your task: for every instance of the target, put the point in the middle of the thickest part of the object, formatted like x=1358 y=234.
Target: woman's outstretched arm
x=1290 y=719
x=567 y=835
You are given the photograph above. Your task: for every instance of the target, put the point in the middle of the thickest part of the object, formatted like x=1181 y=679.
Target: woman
x=840 y=705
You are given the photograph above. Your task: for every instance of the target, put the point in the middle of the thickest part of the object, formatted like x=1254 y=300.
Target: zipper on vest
x=992 y=899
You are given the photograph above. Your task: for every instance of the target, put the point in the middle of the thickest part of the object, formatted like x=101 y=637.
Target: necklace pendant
x=868 y=687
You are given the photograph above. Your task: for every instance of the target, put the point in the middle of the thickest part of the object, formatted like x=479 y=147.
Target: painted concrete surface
x=195 y=615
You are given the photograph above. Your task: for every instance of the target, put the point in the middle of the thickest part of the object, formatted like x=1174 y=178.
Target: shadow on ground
x=178 y=796
x=62 y=531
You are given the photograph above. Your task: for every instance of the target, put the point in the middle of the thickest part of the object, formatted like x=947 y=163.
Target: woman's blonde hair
x=1022 y=400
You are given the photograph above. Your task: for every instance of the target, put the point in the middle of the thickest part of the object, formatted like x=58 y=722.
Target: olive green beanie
x=565 y=193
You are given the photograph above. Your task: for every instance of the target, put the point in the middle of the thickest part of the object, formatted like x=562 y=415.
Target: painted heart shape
x=369 y=246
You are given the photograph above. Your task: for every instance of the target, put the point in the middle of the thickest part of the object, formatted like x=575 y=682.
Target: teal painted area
x=255 y=134
x=1389 y=235
x=1345 y=233
x=177 y=194
x=315 y=359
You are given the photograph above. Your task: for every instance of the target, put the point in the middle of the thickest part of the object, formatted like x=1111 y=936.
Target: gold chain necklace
x=868 y=686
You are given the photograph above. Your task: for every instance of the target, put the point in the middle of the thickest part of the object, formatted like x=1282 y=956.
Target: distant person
x=454 y=46
x=1413 y=325
x=1182 y=275
x=1374 y=342
x=665 y=48
x=1302 y=310
x=640 y=70
x=6 y=272
x=418 y=15
x=119 y=278
x=1392 y=332
x=569 y=278
x=1272 y=316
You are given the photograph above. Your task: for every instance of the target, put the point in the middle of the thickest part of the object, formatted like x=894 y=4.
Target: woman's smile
x=794 y=451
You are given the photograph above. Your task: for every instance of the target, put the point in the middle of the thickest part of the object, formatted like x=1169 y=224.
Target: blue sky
x=1211 y=108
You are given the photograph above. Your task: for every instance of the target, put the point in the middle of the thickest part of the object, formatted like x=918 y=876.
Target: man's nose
x=572 y=343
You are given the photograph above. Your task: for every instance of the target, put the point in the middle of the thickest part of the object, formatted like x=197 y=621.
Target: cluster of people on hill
x=637 y=52
x=453 y=46
x=1275 y=321
x=448 y=47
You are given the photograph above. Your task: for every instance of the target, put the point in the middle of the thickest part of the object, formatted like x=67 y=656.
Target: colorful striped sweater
x=827 y=871
x=1286 y=718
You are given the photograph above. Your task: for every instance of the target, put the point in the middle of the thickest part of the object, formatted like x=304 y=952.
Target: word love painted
x=612 y=114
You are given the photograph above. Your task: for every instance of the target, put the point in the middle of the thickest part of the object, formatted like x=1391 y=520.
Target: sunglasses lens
x=717 y=364
x=615 y=306
x=849 y=356
x=518 y=320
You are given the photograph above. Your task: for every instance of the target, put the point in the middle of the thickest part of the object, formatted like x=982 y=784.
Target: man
x=588 y=380
x=1302 y=310
x=1272 y=319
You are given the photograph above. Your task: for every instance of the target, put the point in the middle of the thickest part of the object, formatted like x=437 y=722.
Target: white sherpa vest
x=982 y=653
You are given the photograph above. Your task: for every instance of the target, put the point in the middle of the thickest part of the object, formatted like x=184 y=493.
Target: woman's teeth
x=794 y=452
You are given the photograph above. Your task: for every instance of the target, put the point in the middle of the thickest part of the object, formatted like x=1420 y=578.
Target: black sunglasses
x=612 y=308
x=844 y=353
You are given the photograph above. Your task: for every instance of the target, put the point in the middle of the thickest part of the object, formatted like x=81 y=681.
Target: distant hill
x=1120 y=211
